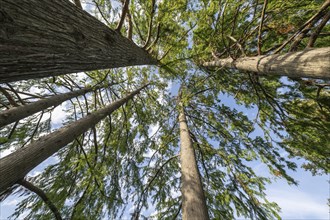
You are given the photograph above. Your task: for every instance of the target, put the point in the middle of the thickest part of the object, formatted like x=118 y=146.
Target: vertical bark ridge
x=40 y=38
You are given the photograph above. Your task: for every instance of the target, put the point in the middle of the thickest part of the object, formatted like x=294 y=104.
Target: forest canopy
x=160 y=109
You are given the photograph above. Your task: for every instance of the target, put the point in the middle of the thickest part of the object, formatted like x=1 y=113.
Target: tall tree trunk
x=193 y=198
x=40 y=38
x=20 y=112
x=310 y=63
x=15 y=166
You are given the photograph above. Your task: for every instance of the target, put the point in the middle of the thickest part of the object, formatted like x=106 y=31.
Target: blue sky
x=306 y=201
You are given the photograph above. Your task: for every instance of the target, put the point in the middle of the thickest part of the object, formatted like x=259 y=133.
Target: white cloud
x=58 y=115
x=296 y=204
x=10 y=202
x=153 y=129
x=6 y=152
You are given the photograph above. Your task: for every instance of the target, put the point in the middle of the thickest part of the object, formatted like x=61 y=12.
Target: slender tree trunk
x=310 y=63
x=43 y=196
x=15 y=166
x=20 y=112
x=193 y=198
x=40 y=38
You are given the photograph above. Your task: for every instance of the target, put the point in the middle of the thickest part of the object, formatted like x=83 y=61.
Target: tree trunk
x=15 y=166
x=193 y=199
x=310 y=63
x=20 y=112
x=40 y=38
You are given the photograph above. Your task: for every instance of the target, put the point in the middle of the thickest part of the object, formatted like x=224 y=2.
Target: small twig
x=238 y=44
x=100 y=11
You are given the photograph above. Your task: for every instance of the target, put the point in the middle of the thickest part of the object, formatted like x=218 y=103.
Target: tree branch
x=42 y=195
x=150 y=24
x=9 y=97
x=319 y=28
x=260 y=26
x=315 y=17
x=123 y=16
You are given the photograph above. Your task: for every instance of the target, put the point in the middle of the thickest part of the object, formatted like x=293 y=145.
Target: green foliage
x=128 y=163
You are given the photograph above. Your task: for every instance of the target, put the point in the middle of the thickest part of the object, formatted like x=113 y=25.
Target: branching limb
x=153 y=3
x=238 y=44
x=9 y=97
x=156 y=39
x=318 y=30
x=316 y=17
x=15 y=92
x=123 y=16
x=130 y=26
x=260 y=26
x=42 y=195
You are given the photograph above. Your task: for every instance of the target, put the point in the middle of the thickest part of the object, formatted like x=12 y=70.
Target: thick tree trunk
x=20 y=112
x=310 y=63
x=40 y=38
x=15 y=166
x=193 y=198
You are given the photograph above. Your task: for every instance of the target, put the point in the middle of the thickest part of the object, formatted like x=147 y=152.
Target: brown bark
x=40 y=38
x=193 y=198
x=15 y=166
x=123 y=15
x=43 y=196
x=310 y=63
x=14 y=114
x=78 y=4
x=10 y=99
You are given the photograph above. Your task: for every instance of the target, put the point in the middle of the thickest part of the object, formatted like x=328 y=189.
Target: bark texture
x=20 y=112
x=310 y=63
x=40 y=38
x=15 y=166
x=193 y=198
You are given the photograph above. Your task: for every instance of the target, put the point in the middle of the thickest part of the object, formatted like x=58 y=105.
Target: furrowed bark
x=17 y=113
x=309 y=63
x=193 y=198
x=15 y=166
x=26 y=184
x=40 y=38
